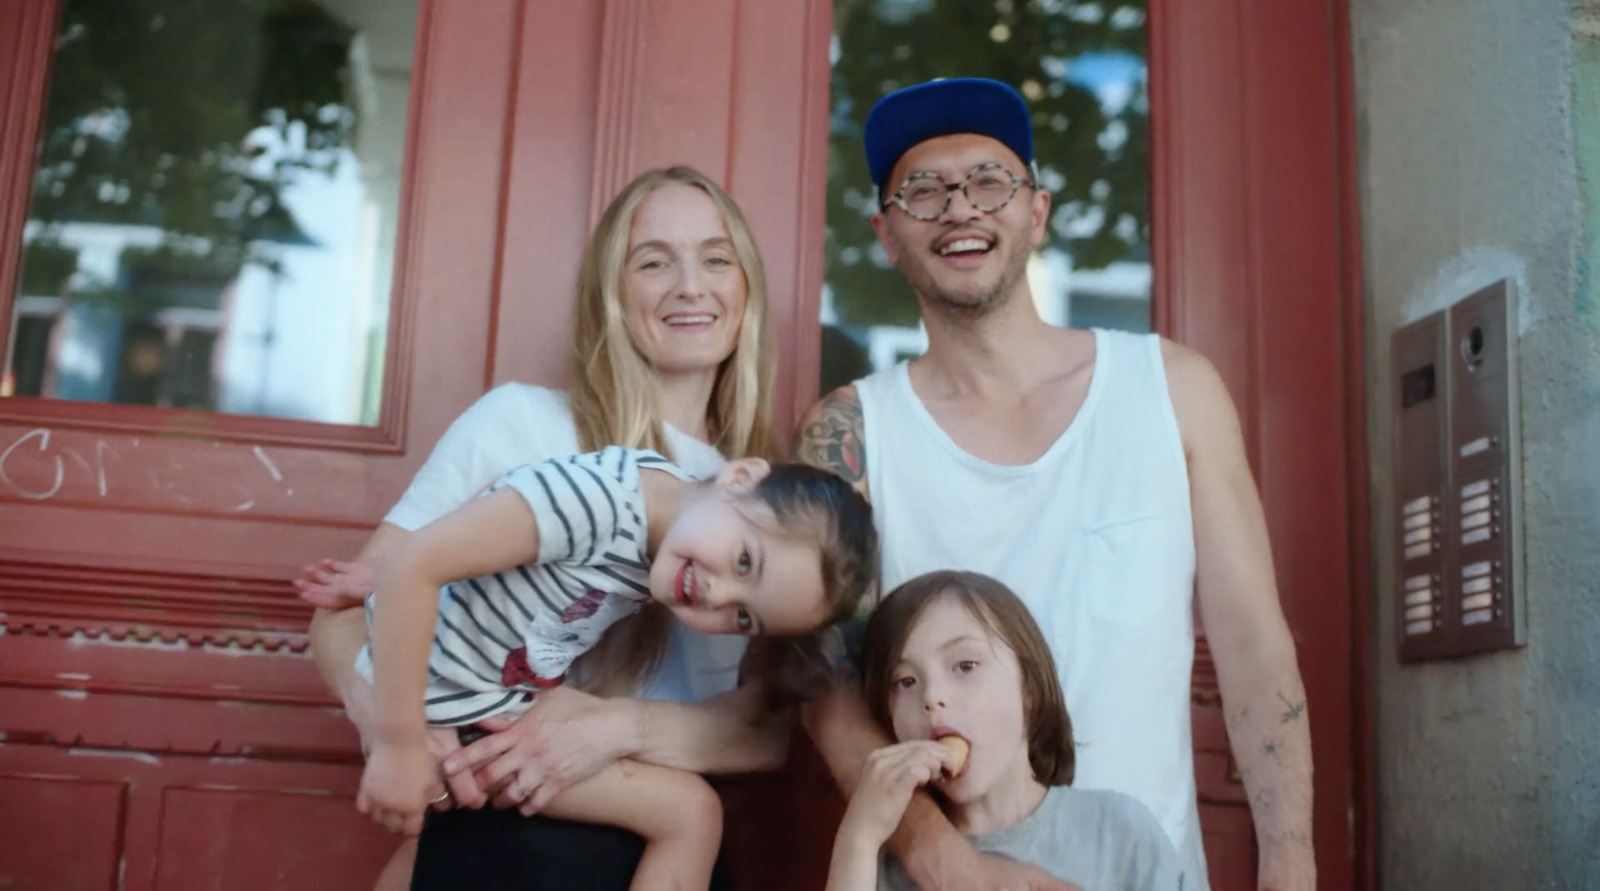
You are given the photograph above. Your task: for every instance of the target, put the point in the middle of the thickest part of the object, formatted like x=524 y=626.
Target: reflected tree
x=192 y=116
x=1092 y=148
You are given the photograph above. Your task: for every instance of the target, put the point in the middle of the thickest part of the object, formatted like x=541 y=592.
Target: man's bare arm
x=1263 y=697
x=830 y=436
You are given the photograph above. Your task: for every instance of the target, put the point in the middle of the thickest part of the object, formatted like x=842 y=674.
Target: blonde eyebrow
x=658 y=244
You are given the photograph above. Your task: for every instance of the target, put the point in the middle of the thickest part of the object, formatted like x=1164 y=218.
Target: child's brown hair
x=818 y=503
x=1048 y=727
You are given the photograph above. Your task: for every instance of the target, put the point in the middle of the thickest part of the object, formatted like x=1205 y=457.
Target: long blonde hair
x=613 y=391
x=614 y=396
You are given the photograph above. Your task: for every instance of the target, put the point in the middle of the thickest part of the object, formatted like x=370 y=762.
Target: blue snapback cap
x=923 y=111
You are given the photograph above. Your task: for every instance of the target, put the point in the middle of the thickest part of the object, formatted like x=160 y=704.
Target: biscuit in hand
x=958 y=747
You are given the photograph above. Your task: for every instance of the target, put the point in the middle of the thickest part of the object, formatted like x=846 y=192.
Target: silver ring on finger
x=441 y=797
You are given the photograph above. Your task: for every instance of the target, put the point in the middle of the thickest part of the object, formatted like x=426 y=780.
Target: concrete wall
x=1479 y=144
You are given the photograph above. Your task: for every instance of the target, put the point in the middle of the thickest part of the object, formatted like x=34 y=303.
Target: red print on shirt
x=516 y=673
x=583 y=607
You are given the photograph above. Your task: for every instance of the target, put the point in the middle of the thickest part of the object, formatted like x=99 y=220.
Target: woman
x=672 y=354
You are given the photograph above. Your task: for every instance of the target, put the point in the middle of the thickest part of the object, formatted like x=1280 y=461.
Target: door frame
x=1255 y=207
x=1256 y=250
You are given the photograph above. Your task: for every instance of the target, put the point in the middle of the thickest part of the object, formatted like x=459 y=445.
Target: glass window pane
x=1082 y=67
x=213 y=215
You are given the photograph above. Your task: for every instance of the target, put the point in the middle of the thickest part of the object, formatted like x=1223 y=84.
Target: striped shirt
x=502 y=637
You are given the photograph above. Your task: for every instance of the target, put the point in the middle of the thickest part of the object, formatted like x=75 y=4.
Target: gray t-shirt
x=1103 y=841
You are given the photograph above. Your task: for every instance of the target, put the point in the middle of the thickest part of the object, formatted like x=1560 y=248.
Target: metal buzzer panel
x=1454 y=377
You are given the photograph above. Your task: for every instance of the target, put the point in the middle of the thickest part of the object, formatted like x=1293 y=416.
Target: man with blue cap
x=1101 y=475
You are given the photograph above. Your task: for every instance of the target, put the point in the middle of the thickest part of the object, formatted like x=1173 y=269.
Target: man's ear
x=1041 y=216
x=880 y=225
x=742 y=475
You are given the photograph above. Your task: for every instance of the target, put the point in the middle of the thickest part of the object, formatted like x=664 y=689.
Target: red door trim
x=1363 y=690
x=27 y=39
x=23 y=94
x=780 y=175
x=621 y=73
x=1257 y=264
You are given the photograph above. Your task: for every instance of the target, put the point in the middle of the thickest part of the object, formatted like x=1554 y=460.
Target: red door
x=1256 y=223
x=1253 y=251
x=163 y=727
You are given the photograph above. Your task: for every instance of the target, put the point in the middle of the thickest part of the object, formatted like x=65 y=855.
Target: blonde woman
x=672 y=354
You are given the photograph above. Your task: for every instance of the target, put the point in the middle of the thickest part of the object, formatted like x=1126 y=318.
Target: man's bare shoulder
x=1199 y=395
x=831 y=436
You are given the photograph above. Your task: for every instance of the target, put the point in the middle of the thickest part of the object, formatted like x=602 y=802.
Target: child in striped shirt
x=554 y=554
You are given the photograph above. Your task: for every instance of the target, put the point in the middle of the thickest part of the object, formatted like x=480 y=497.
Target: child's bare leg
x=677 y=812
x=396 y=875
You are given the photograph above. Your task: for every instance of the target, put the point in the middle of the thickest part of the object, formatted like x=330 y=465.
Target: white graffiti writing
x=43 y=436
x=32 y=469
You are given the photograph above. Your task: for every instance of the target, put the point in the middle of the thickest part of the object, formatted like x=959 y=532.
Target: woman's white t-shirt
x=517 y=424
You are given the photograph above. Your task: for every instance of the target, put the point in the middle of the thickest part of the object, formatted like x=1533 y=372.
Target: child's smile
x=687 y=589
x=724 y=566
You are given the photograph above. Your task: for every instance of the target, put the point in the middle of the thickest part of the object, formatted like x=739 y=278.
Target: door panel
x=1253 y=235
x=60 y=833
x=153 y=663
x=153 y=656
x=179 y=821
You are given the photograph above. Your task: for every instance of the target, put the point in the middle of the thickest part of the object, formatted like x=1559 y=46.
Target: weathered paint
x=1586 y=139
x=1478 y=119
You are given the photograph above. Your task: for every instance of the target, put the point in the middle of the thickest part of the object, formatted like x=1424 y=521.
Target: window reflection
x=1082 y=67
x=213 y=214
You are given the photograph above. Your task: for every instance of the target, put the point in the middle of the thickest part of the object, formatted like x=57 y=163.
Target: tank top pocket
x=1121 y=571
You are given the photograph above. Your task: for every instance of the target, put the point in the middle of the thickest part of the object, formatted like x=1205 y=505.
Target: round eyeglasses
x=988 y=187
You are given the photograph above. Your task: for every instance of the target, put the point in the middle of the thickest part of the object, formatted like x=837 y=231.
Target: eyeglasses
x=988 y=187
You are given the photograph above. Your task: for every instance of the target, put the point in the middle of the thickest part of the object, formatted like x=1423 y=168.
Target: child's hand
x=892 y=774
x=334 y=584
x=398 y=785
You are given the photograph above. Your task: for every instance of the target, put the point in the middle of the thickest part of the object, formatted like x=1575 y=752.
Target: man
x=1101 y=475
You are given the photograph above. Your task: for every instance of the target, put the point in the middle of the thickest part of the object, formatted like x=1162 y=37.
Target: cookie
x=959 y=748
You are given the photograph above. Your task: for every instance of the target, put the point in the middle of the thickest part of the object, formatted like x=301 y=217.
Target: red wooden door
x=161 y=725
x=1255 y=264
x=1258 y=267
x=1254 y=255
x=161 y=719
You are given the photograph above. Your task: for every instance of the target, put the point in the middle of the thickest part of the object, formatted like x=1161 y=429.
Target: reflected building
x=234 y=257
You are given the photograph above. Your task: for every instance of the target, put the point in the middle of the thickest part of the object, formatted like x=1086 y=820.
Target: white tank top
x=1095 y=536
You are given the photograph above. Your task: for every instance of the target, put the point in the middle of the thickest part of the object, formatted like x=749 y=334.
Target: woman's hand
x=335 y=584
x=464 y=789
x=398 y=785
x=565 y=738
x=891 y=775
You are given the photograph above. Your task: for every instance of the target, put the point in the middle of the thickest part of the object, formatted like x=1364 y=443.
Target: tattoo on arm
x=831 y=437
x=1292 y=710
